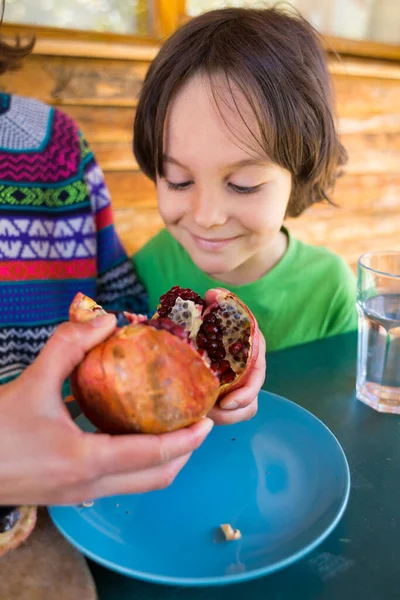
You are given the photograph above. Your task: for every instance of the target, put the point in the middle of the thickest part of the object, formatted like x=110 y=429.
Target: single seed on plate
x=230 y=533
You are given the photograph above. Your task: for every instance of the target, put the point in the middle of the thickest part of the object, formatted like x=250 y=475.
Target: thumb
x=66 y=348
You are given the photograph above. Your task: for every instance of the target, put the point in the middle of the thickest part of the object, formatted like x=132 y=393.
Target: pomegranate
x=161 y=374
x=16 y=524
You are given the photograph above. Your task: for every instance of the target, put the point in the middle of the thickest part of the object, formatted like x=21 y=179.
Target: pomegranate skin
x=11 y=539
x=144 y=380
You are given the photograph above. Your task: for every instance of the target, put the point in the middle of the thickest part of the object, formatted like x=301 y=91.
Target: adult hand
x=46 y=459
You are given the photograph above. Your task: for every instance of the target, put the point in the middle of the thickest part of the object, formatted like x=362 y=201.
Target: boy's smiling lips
x=212 y=243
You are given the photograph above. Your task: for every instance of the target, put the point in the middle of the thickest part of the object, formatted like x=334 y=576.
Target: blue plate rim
x=225 y=579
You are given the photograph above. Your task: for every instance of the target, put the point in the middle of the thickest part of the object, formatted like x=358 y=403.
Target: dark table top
x=360 y=559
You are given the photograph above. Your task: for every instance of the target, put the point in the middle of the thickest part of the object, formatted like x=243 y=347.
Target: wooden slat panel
x=77 y=80
x=359 y=97
x=378 y=142
x=363 y=67
x=386 y=123
x=131 y=190
x=372 y=153
x=115 y=156
x=136 y=226
x=104 y=123
x=364 y=193
x=342 y=227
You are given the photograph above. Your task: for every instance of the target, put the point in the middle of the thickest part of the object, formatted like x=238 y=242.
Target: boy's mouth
x=212 y=244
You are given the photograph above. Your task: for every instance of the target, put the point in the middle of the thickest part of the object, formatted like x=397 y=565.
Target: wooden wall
x=100 y=95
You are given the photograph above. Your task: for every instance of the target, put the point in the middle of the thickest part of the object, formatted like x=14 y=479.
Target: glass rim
x=360 y=262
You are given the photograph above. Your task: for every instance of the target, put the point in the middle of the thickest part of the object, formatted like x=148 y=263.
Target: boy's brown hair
x=277 y=62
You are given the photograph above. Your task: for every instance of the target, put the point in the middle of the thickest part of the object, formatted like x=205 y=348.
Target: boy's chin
x=213 y=266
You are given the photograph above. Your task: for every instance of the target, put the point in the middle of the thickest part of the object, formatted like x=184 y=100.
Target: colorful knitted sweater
x=56 y=231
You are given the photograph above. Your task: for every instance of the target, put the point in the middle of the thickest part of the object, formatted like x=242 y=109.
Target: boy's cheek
x=171 y=212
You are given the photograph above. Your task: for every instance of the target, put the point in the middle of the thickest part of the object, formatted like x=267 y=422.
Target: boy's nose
x=208 y=211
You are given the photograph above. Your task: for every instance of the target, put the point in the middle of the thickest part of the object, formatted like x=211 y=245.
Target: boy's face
x=224 y=203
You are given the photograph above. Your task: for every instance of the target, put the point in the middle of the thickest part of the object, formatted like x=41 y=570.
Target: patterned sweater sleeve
x=118 y=288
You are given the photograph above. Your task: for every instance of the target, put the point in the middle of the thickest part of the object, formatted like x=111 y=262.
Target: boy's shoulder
x=318 y=260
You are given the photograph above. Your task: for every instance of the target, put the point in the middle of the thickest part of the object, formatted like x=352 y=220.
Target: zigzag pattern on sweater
x=20 y=346
x=59 y=161
x=39 y=333
x=121 y=281
x=73 y=193
x=41 y=238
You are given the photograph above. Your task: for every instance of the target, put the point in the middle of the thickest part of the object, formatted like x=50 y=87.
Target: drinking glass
x=378 y=306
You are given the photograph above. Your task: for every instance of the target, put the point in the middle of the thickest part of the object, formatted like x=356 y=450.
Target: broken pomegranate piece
x=224 y=328
x=16 y=524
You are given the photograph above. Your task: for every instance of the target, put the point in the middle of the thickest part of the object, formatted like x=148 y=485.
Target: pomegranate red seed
x=201 y=340
x=245 y=354
x=220 y=353
x=210 y=328
x=235 y=348
x=227 y=377
x=210 y=318
x=224 y=366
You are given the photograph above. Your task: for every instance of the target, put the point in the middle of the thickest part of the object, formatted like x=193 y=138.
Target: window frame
x=166 y=16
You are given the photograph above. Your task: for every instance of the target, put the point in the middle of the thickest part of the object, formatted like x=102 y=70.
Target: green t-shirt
x=310 y=293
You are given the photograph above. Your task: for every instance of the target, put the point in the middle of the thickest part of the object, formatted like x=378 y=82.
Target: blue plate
x=281 y=478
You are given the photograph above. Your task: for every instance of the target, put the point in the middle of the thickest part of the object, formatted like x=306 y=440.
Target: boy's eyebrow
x=241 y=163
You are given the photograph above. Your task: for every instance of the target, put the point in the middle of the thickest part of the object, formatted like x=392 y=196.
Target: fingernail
x=103 y=320
x=206 y=425
x=230 y=405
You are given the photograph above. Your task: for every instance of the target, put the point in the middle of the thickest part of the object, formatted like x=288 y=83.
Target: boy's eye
x=179 y=186
x=244 y=189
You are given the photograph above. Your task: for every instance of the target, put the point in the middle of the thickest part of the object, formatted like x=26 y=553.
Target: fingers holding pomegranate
x=166 y=373
x=118 y=455
x=127 y=464
x=157 y=478
x=231 y=417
